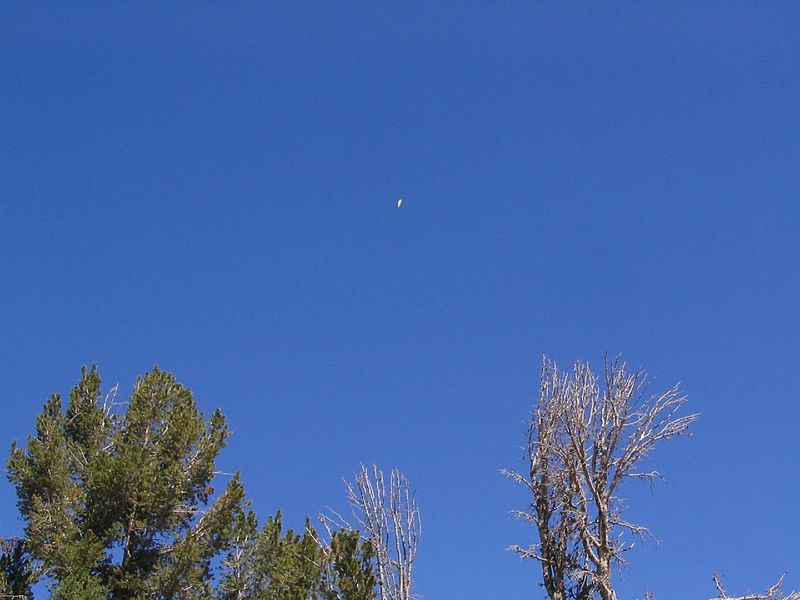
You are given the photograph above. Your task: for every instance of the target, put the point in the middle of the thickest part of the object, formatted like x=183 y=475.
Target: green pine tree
x=270 y=565
x=118 y=505
x=350 y=573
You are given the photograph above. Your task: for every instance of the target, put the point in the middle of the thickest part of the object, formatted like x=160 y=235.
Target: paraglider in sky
x=399 y=202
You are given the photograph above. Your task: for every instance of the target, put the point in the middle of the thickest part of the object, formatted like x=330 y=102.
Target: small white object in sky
x=399 y=202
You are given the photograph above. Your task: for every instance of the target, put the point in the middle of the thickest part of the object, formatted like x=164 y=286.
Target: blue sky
x=211 y=188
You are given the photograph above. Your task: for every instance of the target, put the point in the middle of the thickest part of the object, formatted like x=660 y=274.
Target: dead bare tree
x=390 y=520
x=583 y=442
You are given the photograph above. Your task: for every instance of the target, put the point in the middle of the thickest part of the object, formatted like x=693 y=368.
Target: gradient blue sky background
x=211 y=187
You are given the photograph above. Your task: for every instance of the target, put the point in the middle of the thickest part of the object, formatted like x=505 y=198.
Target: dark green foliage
x=17 y=572
x=83 y=586
x=268 y=565
x=116 y=505
x=351 y=574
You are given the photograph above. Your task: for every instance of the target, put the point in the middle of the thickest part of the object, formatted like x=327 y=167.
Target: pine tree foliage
x=118 y=504
x=271 y=565
x=350 y=567
x=17 y=572
x=268 y=564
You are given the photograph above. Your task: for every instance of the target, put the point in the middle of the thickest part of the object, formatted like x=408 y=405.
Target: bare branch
x=773 y=592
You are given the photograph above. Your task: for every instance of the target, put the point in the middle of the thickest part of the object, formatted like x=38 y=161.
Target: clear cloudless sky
x=211 y=187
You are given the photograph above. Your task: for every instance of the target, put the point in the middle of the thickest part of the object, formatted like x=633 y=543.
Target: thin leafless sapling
x=390 y=519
